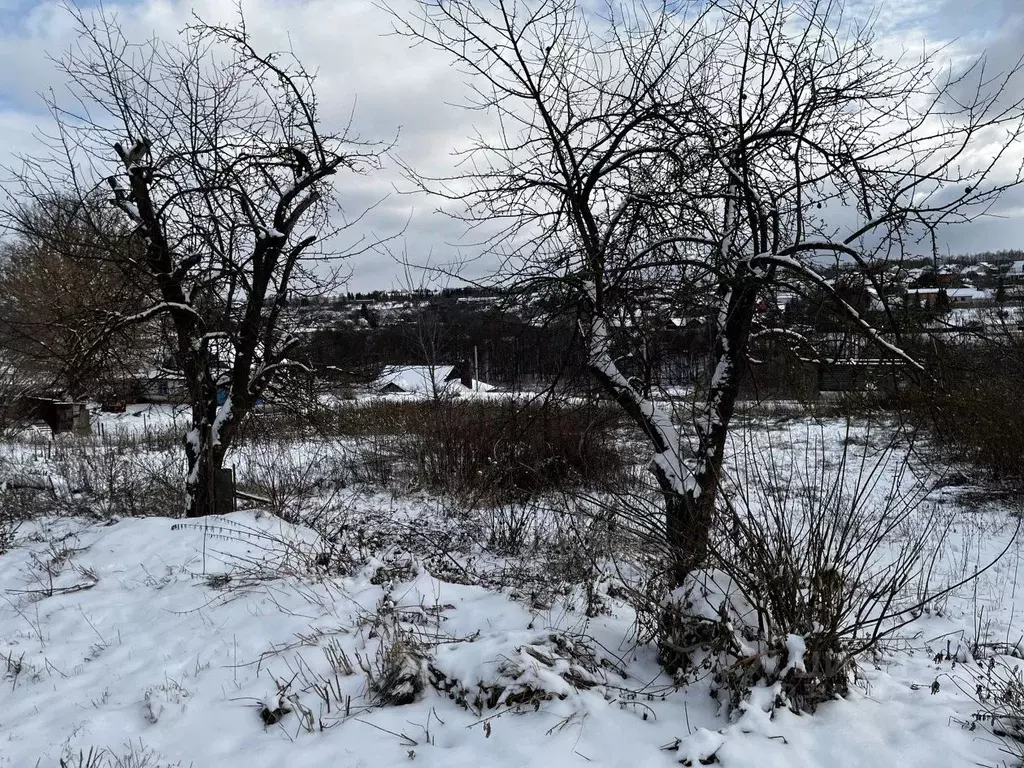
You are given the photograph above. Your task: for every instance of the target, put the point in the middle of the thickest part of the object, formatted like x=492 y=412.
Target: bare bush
x=123 y=484
x=105 y=477
x=296 y=479
x=9 y=525
x=510 y=527
x=376 y=459
x=493 y=450
x=128 y=756
x=972 y=406
x=16 y=506
x=818 y=561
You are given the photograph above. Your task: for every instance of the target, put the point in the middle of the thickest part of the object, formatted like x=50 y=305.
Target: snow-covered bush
x=542 y=667
x=397 y=675
x=168 y=696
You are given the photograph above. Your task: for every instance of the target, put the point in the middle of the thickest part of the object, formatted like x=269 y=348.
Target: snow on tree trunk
x=680 y=488
x=206 y=446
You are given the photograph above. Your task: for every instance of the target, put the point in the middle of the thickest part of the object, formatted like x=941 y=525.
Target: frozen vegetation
x=360 y=622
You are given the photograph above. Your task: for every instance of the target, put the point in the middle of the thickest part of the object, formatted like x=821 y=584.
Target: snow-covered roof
x=158 y=373
x=966 y=293
x=682 y=322
x=953 y=293
x=415 y=378
x=425 y=379
x=1017 y=268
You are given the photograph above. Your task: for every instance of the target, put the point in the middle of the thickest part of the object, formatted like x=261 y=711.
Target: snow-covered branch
x=789 y=263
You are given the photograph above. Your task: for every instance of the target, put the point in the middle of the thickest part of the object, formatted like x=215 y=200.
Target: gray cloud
x=365 y=75
x=389 y=88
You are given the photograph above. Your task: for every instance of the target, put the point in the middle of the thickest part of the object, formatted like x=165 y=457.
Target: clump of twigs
x=816 y=563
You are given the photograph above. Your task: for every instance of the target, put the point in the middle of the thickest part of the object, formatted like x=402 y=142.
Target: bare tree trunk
x=686 y=531
x=689 y=488
x=696 y=516
x=201 y=485
x=204 y=469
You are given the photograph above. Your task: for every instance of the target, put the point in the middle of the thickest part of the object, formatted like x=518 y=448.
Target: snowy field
x=406 y=637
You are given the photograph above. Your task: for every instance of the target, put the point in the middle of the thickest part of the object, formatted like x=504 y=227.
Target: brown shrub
x=973 y=406
x=498 y=450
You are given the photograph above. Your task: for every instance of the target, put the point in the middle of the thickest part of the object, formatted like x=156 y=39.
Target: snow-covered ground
x=248 y=641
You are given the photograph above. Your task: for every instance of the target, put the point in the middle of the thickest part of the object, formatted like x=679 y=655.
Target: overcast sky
x=394 y=89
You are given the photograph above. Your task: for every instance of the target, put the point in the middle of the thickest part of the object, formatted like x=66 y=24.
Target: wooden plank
x=246 y=496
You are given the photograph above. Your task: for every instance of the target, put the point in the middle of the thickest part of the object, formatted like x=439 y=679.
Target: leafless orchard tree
x=13 y=386
x=215 y=155
x=723 y=146
x=66 y=269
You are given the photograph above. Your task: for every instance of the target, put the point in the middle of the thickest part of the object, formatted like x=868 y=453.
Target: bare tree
x=215 y=154
x=64 y=271
x=13 y=387
x=726 y=146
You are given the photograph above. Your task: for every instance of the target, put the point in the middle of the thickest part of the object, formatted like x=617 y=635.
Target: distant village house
x=428 y=380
